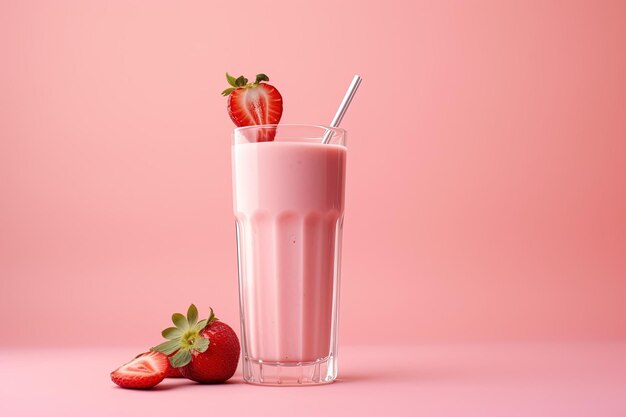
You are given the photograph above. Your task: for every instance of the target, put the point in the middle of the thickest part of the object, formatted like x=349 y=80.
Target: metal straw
x=347 y=99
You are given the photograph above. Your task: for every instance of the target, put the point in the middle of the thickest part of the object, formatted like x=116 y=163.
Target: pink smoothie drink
x=289 y=206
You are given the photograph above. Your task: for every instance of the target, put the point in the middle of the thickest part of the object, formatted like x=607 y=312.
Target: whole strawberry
x=205 y=351
x=256 y=103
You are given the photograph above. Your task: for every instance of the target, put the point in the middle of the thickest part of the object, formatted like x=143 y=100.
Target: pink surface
x=488 y=135
x=428 y=380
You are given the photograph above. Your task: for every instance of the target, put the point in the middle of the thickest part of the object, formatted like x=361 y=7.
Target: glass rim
x=335 y=130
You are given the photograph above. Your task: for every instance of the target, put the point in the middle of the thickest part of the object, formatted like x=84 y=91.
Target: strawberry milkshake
x=289 y=206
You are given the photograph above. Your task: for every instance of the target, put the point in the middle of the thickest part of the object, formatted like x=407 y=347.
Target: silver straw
x=347 y=99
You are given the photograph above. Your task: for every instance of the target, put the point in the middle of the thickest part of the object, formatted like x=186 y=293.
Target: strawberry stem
x=261 y=77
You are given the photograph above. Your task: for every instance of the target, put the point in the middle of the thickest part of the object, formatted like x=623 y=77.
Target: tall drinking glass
x=288 y=192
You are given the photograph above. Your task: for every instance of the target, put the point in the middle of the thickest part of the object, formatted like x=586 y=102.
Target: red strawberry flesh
x=259 y=105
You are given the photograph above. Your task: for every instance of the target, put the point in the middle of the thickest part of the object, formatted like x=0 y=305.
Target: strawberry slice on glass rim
x=256 y=103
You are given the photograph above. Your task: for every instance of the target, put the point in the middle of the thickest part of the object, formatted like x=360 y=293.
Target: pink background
x=487 y=167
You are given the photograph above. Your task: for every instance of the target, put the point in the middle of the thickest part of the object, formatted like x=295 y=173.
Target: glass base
x=281 y=374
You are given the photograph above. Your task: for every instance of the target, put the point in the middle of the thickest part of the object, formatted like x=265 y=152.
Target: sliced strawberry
x=145 y=371
x=259 y=105
x=256 y=103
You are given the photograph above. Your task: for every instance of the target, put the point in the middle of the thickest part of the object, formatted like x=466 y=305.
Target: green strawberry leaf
x=228 y=91
x=167 y=348
x=201 y=325
x=181 y=358
x=201 y=344
x=212 y=317
x=192 y=316
x=180 y=321
x=241 y=81
x=231 y=80
x=172 y=333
